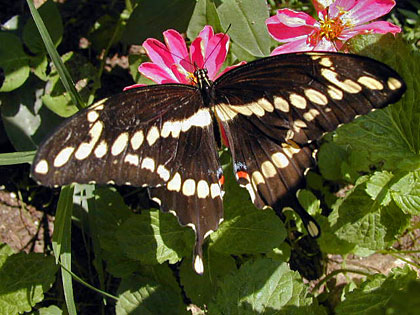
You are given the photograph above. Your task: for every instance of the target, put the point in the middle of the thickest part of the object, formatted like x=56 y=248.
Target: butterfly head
x=202 y=79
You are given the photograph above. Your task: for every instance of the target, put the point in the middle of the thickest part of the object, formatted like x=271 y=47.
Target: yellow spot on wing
x=42 y=167
x=63 y=157
x=394 y=84
x=120 y=144
x=188 y=188
x=175 y=183
x=137 y=139
x=298 y=101
x=370 y=83
x=152 y=135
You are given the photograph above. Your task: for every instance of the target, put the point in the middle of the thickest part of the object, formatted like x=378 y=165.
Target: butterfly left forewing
x=160 y=137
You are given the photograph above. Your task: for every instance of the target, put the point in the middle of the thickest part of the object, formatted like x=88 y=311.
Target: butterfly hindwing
x=273 y=108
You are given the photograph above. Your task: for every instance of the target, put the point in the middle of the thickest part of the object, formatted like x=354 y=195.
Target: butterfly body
x=162 y=136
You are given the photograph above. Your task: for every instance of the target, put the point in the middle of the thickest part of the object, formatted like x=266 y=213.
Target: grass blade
x=62 y=243
x=16 y=157
x=55 y=57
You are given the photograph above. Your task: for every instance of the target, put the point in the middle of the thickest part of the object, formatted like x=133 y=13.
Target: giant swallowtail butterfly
x=163 y=136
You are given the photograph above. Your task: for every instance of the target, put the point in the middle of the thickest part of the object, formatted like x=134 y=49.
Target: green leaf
x=110 y=212
x=365 y=222
x=376 y=292
x=155 y=237
x=5 y=252
x=51 y=15
x=205 y=13
x=151 y=18
x=378 y=187
x=405 y=301
x=406 y=193
x=16 y=158
x=13 y=61
x=245 y=229
x=50 y=310
x=263 y=287
x=40 y=66
x=139 y=295
x=100 y=34
x=248 y=29
x=330 y=157
x=23 y=115
x=24 y=280
x=56 y=98
x=46 y=38
x=201 y=288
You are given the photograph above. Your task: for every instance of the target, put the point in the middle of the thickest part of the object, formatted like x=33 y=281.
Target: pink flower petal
x=327 y=45
x=197 y=57
x=339 y=6
x=288 y=25
x=158 y=53
x=177 y=47
x=381 y=27
x=295 y=46
x=133 y=86
x=155 y=73
x=368 y=10
x=216 y=52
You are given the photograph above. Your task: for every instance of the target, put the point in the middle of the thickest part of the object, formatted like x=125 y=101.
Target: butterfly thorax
x=204 y=84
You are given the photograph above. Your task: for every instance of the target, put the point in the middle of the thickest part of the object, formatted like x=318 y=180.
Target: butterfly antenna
x=163 y=47
x=214 y=48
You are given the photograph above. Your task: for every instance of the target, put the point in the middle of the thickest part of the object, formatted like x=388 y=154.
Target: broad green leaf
x=205 y=13
x=105 y=28
x=50 y=310
x=330 y=158
x=405 y=301
x=263 y=287
x=56 y=98
x=376 y=292
x=23 y=115
x=201 y=288
x=24 y=280
x=378 y=187
x=247 y=20
x=5 y=252
x=139 y=295
x=363 y=221
x=110 y=212
x=40 y=66
x=406 y=193
x=16 y=158
x=245 y=229
x=151 y=18
x=52 y=19
x=52 y=52
x=13 y=62
x=155 y=237
x=329 y=242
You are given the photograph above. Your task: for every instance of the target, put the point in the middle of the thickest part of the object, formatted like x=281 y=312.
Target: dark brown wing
x=273 y=108
x=157 y=136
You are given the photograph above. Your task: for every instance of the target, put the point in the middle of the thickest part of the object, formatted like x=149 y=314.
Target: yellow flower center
x=330 y=28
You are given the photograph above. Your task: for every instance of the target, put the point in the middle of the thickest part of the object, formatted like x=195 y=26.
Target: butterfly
x=165 y=137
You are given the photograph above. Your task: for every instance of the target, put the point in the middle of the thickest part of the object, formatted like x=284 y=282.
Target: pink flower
x=338 y=22
x=173 y=63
